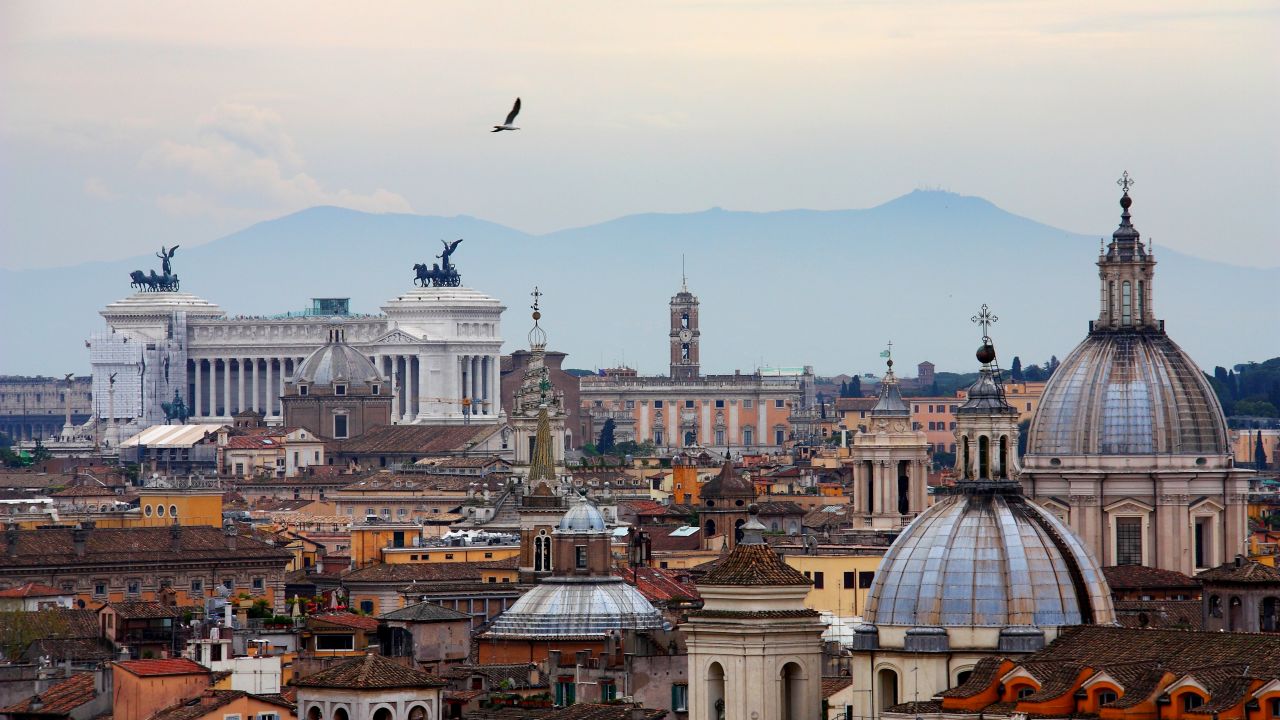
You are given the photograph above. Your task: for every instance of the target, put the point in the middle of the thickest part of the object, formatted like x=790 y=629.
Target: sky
x=127 y=125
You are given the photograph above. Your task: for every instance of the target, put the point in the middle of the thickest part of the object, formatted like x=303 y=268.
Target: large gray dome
x=988 y=559
x=337 y=361
x=1128 y=393
x=577 y=606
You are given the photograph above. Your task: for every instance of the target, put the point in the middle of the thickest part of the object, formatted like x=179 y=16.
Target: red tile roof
x=753 y=565
x=359 y=622
x=833 y=685
x=419 y=439
x=171 y=666
x=255 y=442
x=415 y=572
x=143 y=610
x=145 y=546
x=1141 y=577
x=371 y=672
x=211 y=700
x=60 y=698
x=1247 y=571
x=659 y=585
x=31 y=589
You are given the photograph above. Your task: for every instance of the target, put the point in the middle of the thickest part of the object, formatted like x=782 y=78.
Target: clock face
x=686 y=334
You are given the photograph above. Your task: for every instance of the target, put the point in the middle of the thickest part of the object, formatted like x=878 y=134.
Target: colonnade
x=222 y=387
x=422 y=386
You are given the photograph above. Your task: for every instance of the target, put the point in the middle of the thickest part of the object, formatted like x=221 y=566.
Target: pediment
x=396 y=337
x=1128 y=505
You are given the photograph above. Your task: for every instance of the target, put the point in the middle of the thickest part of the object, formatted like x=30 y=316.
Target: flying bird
x=511 y=117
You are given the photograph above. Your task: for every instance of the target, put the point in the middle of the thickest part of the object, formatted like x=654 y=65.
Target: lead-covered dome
x=560 y=606
x=582 y=518
x=1128 y=393
x=988 y=558
x=337 y=361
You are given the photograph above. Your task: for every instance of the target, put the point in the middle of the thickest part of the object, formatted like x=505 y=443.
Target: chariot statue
x=441 y=274
x=168 y=282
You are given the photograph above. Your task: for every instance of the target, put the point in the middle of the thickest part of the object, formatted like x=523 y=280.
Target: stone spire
x=986 y=424
x=890 y=401
x=542 y=467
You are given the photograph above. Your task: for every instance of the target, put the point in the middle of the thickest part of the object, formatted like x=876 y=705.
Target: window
x=1275 y=707
x=1129 y=541
x=850 y=580
x=488 y=556
x=146 y=510
x=779 y=403
x=865 y=578
x=268 y=716
x=239 y=468
x=133 y=587
x=719 y=403
x=688 y=404
x=680 y=698
x=302 y=389
x=448 y=556
x=173 y=511
x=373 y=389
x=565 y=692
x=657 y=437
x=719 y=437
x=259 y=584
x=748 y=436
x=1190 y=700
x=68 y=587
x=818 y=580
x=340 y=426
x=335 y=642
x=1106 y=696
x=99 y=588
x=608 y=691
x=229 y=583
x=657 y=404
x=159 y=511
x=748 y=404
x=779 y=436
x=339 y=389
x=953 y=408
x=631 y=405
x=581 y=556
x=231 y=716
x=366 y=606
x=1025 y=691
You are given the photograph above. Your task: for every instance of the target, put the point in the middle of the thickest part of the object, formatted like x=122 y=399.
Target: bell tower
x=1125 y=269
x=684 y=333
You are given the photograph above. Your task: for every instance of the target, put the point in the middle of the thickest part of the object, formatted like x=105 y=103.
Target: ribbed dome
x=988 y=559
x=559 y=607
x=583 y=517
x=336 y=360
x=1128 y=393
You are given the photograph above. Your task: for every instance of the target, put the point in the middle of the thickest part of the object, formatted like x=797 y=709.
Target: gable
x=397 y=337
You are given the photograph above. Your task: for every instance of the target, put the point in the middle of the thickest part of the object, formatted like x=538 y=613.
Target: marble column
x=226 y=387
x=423 y=387
x=397 y=416
x=196 y=408
x=254 y=403
x=240 y=384
x=267 y=403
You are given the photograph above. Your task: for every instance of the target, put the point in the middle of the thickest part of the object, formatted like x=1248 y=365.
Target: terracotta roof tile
x=141 y=546
x=592 y=711
x=31 y=590
x=211 y=700
x=421 y=439
x=728 y=484
x=833 y=685
x=658 y=585
x=143 y=610
x=1176 y=614
x=517 y=674
x=359 y=622
x=172 y=666
x=982 y=675
x=424 y=612
x=1141 y=577
x=1248 y=571
x=415 y=572
x=753 y=565
x=60 y=698
x=371 y=672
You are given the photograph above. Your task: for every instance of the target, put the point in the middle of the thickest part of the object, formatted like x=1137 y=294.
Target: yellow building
x=841 y=582
x=189 y=507
x=445 y=554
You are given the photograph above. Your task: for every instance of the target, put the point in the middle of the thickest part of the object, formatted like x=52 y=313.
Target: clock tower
x=684 y=334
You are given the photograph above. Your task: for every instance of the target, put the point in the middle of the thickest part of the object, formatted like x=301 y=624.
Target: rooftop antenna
x=684 y=279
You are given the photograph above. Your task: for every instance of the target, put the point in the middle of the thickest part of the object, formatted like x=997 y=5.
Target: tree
x=1053 y=365
x=844 y=388
x=1259 y=453
x=1033 y=373
x=1254 y=408
x=605 y=443
x=855 y=387
x=1023 y=429
x=1015 y=372
x=822 y=406
x=18 y=629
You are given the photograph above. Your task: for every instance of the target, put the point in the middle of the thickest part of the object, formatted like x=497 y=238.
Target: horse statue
x=153 y=282
x=139 y=280
x=426 y=276
x=176 y=410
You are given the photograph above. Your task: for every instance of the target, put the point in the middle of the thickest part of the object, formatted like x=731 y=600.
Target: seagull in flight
x=511 y=117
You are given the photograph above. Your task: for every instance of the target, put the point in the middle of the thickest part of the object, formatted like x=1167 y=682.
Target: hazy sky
x=126 y=125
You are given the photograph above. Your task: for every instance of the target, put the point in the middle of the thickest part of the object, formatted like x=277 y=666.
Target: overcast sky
x=127 y=125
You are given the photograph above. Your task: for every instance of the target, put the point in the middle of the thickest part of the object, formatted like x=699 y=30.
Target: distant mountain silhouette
x=826 y=288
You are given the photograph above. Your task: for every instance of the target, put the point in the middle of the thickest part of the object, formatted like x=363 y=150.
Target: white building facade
x=439 y=348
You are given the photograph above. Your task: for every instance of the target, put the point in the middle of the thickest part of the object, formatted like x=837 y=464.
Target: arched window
x=962 y=677
x=710 y=529
x=382 y=714
x=1025 y=691
x=1215 y=606
x=984 y=457
x=542 y=552
x=715 y=691
x=737 y=530
x=1142 y=298
x=313 y=713
x=340 y=714
x=1111 y=300
x=887 y=688
x=1004 y=457
x=418 y=712
x=965 y=470
x=1126 y=303
x=792 y=696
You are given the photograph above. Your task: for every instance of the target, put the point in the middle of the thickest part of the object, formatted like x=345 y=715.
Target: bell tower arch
x=684 y=335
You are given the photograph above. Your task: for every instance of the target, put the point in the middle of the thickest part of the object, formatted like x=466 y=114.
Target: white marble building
x=437 y=347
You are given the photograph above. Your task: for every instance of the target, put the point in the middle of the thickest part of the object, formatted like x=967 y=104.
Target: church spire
x=542 y=468
x=1125 y=270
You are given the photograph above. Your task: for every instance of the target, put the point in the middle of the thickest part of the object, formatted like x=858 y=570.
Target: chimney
x=175 y=536
x=229 y=534
x=11 y=539
x=535 y=675
x=123 y=653
x=1239 y=561
x=79 y=537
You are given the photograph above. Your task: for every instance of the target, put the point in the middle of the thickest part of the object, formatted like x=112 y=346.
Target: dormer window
x=339 y=388
x=373 y=389
x=302 y=389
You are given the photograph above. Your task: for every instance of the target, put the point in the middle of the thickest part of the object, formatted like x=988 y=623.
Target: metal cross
x=1125 y=182
x=537 y=294
x=985 y=318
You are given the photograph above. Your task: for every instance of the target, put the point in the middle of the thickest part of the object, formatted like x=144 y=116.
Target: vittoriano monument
x=168 y=282
x=441 y=274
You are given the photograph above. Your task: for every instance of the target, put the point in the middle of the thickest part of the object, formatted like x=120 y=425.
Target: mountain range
x=822 y=288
